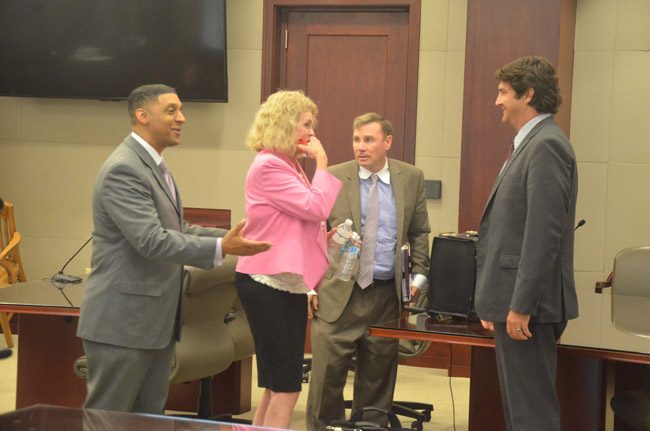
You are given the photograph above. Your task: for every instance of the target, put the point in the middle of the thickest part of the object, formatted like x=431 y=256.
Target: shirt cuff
x=420 y=281
x=218 y=255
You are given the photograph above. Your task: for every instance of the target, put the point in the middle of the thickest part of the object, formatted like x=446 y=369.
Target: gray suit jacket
x=140 y=242
x=407 y=182
x=525 y=249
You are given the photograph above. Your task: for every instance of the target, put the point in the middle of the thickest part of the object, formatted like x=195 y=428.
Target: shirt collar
x=525 y=130
x=152 y=152
x=383 y=174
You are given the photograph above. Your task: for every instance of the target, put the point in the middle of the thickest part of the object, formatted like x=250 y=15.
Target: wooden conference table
x=55 y=418
x=581 y=372
x=48 y=346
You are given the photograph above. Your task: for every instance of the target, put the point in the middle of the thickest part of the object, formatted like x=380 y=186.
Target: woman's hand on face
x=311 y=147
x=314 y=150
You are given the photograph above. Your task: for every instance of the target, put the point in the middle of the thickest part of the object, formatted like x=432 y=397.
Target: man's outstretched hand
x=234 y=243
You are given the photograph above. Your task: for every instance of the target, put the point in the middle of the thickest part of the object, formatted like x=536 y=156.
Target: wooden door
x=349 y=60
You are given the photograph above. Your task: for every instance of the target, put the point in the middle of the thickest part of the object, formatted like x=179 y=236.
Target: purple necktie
x=168 y=178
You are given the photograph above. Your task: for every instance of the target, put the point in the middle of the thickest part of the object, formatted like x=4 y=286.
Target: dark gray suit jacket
x=140 y=242
x=525 y=249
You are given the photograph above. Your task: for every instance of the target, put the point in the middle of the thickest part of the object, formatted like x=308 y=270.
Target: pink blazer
x=284 y=208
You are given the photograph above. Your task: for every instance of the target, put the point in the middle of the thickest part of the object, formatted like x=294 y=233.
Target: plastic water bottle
x=349 y=257
x=341 y=236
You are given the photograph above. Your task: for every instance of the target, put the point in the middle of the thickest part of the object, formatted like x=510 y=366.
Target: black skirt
x=278 y=322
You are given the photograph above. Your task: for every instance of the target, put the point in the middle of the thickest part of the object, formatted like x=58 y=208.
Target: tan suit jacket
x=407 y=183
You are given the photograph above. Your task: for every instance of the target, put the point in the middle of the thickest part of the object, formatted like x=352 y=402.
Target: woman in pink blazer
x=284 y=208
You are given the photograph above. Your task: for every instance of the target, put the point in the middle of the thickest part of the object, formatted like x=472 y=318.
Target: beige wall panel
x=631 y=92
x=434 y=18
x=11 y=169
x=595 y=25
x=244 y=24
x=457 y=25
x=633 y=25
x=431 y=104
x=591 y=105
x=592 y=198
x=432 y=169
x=10 y=118
x=211 y=179
x=45 y=256
x=628 y=212
x=224 y=125
x=453 y=109
x=56 y=182
x=74 y=120
x=585 y=330
x=450 y=194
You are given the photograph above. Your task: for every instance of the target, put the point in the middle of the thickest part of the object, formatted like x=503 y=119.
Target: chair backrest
x=631 y=291
x=408 y=349
x=10 y=237
x=215 y=330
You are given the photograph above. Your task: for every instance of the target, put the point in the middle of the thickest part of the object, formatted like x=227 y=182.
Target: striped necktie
x=367 y=259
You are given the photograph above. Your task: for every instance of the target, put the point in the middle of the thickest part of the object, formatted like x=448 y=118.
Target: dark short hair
x=145 y=94
x=373 y=117
x=537 y=73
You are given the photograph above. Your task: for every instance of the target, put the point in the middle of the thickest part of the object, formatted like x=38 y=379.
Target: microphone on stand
x=580 y=224
x=61 y=277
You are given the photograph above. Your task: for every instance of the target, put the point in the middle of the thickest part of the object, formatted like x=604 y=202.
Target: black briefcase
x=452 y=275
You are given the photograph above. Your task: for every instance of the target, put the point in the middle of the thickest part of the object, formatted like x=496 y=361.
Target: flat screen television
x=103 y=49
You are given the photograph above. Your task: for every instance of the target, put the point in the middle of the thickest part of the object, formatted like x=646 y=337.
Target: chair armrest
x=15 y=239
x=600 y=285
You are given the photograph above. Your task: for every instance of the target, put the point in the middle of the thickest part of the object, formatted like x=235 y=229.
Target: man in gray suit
x=343 y=310
x=130 y=314
x=525 y=291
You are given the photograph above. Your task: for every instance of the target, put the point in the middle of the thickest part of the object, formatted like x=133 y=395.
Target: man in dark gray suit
x=525 y=291
x=130 y=314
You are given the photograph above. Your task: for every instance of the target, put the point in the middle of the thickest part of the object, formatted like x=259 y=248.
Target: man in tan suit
x=386 y=201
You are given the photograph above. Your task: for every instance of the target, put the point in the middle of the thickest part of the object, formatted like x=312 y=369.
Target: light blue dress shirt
x=387 y=229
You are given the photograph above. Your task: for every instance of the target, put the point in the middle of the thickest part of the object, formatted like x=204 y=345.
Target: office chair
x=215 y=331
x=11 y=265
x=420 y=412
x=630 y=284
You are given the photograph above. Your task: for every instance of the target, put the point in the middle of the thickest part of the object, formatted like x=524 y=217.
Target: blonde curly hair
x=274 y=127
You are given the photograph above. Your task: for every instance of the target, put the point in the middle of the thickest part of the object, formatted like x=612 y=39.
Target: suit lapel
x=514 y=157
x=352 y=189
x=155 y=170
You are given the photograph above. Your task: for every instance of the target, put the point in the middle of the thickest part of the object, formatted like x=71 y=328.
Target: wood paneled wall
x=498 y=31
